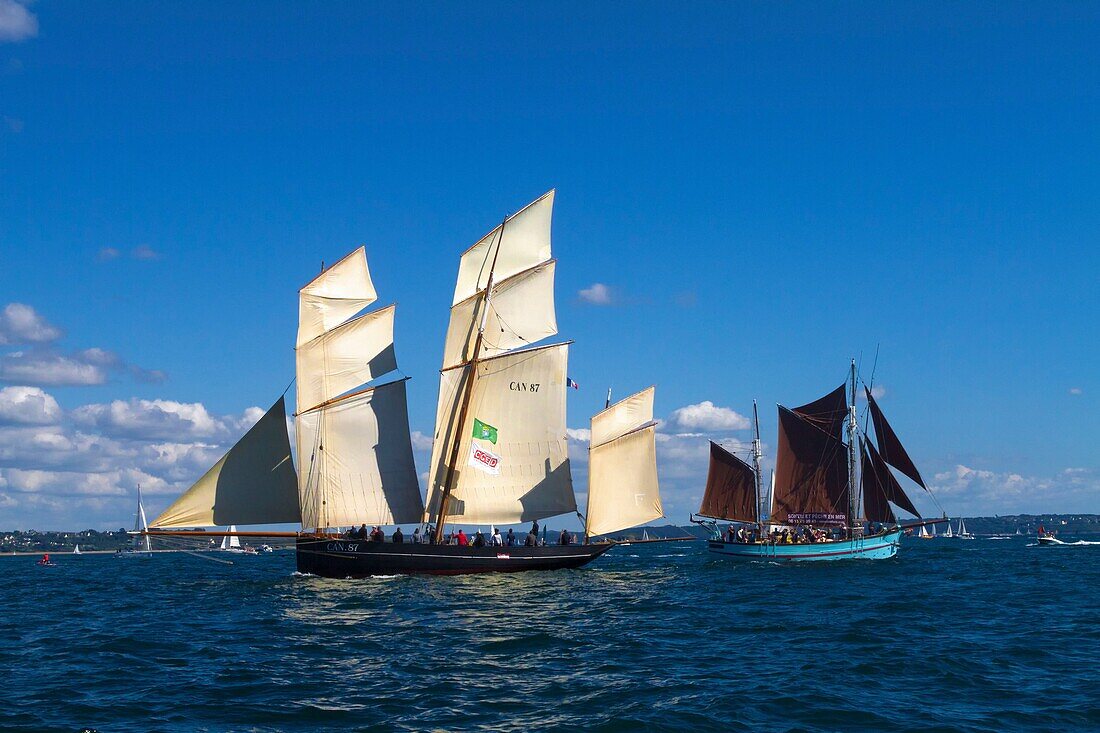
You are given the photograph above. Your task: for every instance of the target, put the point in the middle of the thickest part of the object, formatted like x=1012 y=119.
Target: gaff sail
x=730 y=492
x=811 y=474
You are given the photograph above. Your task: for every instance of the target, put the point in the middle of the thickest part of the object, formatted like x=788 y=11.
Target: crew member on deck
x=416 y=536
x=398 y=538
x=479 y=539
x=510 y=540
x=463 y=540
x=362 y=534
x=496 y=540
x=532 y=540
x=565 y=539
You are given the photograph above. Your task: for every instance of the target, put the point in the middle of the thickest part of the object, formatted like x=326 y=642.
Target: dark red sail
x=731 y=488
x=877 y=473
x=889 y=447
x=875 y=505
x=827 y=413
x=811 y=474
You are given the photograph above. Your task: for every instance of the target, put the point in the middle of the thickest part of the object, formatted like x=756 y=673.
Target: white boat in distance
x=232 y=543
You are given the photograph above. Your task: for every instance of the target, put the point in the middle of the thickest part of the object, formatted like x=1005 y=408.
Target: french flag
x=570 y=383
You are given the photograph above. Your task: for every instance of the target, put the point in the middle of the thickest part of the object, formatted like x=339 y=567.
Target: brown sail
x=876 y=507
x=811 y=474
x=827 y=413
x=731 y=488
x=886 y=483
x=889 y=447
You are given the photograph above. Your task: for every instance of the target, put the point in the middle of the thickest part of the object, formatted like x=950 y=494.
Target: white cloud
x=596 y=294
x=1076 y=391
x=28 y=406
x=144 y=252
x=973 y=491
x=151 y=419
x=108 y=253
x=16 y=22
x=421 y=442
x=48 y=369
x=21 y=324
x=707 y=416
x=582 y=435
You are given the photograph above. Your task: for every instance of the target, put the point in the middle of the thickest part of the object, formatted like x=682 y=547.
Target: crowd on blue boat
x=459 y=537
x=792 y=536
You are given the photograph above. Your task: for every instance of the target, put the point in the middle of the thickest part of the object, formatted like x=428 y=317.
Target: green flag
x=484 y=431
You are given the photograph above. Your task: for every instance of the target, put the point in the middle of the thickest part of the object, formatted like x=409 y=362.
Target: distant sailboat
x=947 y=533
x=232 y=543
x=962 y=534
x=76 y=550
x=924 y=534
x=140 y=546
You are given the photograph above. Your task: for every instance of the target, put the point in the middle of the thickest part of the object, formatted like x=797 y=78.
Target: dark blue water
x=949 y=636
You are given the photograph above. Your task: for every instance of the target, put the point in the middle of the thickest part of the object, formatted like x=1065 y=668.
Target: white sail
x=356 y=461
x=254 y=483
x=623 y=417
x=622 y=467
x=334 y=296
x=526 y=243
x=348 y=356
x=521 y=313
x=231 y=541
x=76 y=550
x=524 y=475
x=141 y=525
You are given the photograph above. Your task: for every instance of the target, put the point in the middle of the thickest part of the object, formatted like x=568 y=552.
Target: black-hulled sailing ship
x=833 y=492
x=499 y=454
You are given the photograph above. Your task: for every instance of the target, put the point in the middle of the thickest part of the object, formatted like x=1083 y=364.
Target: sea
x=951 y=635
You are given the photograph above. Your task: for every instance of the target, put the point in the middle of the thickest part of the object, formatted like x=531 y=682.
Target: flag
x=570 y=383
x=485 y=431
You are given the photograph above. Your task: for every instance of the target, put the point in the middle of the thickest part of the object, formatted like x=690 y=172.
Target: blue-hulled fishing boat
x=832 y=493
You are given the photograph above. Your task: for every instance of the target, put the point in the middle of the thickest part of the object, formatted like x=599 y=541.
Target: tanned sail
x=877 y=479
x=811 y=474
x=828 y=413
x=731 y=488
x=889 y=447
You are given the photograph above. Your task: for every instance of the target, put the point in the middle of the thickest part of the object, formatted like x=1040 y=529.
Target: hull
x=344 y=558
x=1048 y=540
x=876 y=547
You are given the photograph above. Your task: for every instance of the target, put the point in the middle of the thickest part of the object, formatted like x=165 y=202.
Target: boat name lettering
x=524 y=386
x=341 y=547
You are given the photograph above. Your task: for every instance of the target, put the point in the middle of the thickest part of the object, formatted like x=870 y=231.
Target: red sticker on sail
x=485 y=460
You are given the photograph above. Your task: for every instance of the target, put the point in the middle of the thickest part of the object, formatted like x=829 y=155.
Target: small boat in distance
x=76 y=550
x=831 y=499
x=231 y=542
x=1048 y=538
x=45 y=561
x=962 y=533
x=140 y=546
x=947 y=533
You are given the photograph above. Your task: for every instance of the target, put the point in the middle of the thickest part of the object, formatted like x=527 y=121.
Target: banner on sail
x=484 y=460
x=819 y=518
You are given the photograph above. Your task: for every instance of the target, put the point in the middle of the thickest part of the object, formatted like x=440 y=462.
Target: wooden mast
x=756 y=453
x=853 y=431
x=468 y=391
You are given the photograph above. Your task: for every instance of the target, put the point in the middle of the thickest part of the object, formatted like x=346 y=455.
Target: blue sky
x=765 y=190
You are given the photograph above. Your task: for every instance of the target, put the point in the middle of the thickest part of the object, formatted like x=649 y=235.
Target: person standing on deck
x=463 y=540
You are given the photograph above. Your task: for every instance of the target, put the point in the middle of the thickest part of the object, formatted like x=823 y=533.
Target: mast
x=853 y=430
x=756 y=454
x=607 y=402
x=468 y=390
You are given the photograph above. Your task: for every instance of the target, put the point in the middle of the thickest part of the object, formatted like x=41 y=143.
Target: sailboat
x=231 y=542
x=947 y=533
x=499 y=454
x=140 y=546
x=924 y=533
x=962 y=534
x=820 y=481
x=76 y=550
